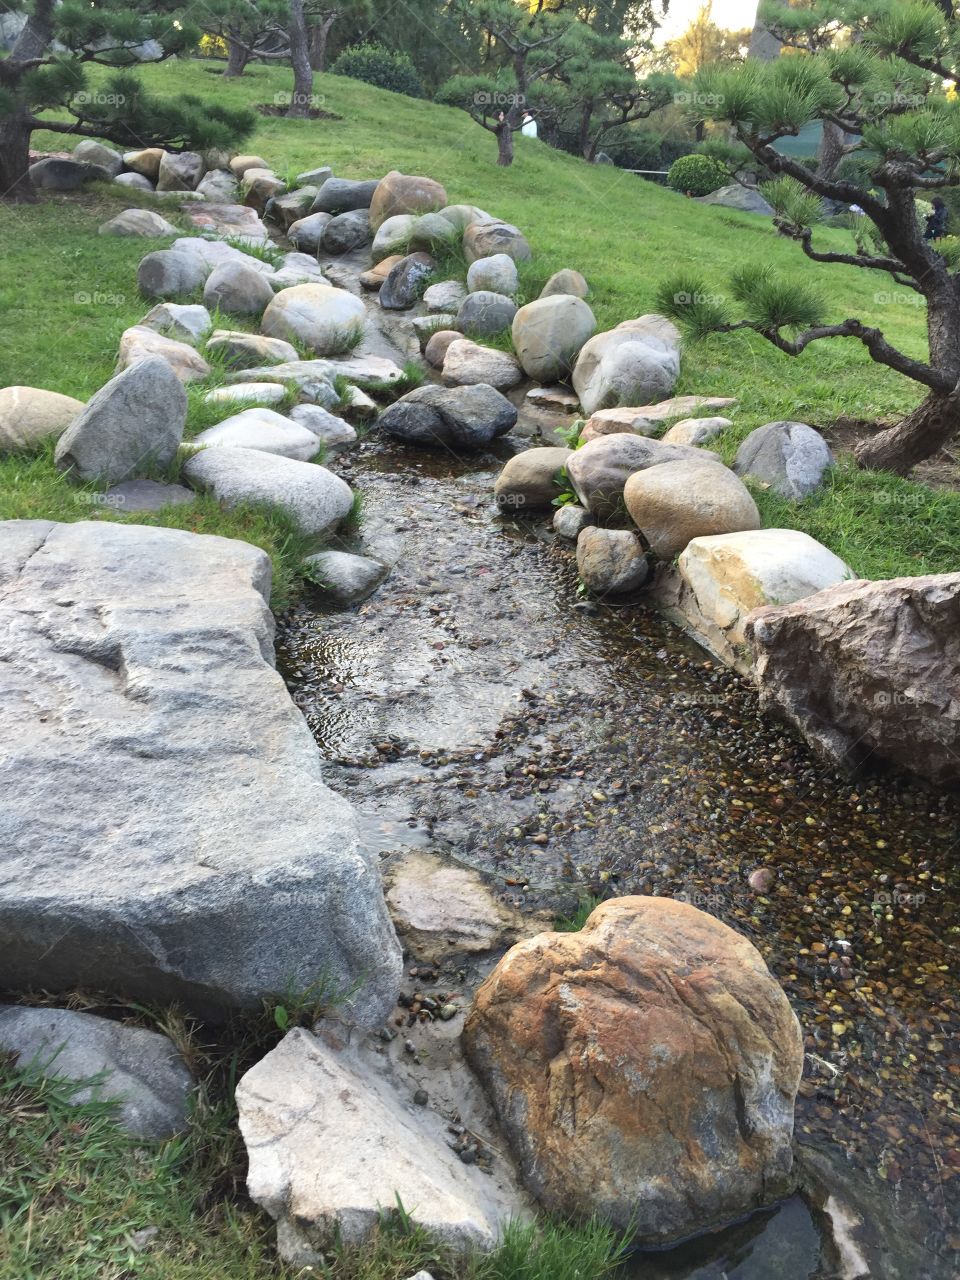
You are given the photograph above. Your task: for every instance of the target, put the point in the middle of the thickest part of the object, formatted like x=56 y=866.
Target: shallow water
x=476 y=704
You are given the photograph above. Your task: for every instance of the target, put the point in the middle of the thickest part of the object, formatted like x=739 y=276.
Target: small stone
x=421 y=1097
x=761 y=880
x=447 y=1012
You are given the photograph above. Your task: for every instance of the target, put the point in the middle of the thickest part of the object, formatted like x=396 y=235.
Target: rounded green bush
x=698 y=175
x=377 y=65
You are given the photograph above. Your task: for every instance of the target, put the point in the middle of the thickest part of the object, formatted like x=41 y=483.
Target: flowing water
x=477 y=705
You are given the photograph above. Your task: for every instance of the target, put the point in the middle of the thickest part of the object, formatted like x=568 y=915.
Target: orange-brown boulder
x=644 y=1069
x=404 y=193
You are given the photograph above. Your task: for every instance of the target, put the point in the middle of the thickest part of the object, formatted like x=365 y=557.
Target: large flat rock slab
x=165 y=829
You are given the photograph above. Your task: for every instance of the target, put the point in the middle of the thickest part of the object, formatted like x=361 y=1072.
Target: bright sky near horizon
x=732 y=15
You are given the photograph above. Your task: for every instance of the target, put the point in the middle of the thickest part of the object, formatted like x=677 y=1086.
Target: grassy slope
x=623 y=233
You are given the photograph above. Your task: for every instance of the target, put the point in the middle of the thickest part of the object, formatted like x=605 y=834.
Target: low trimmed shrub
x=374 y=64
x=698 y=175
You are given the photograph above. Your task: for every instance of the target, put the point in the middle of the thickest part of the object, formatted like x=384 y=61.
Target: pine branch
x=872 y=262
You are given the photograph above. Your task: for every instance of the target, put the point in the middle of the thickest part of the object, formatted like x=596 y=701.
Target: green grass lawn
x=67 y=294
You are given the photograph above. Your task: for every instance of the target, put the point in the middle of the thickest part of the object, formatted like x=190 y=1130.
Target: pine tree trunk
x=300 y=58
x=319 y=35
x=505 y=144
x=932 y=424
x=15 y=181
x=831 y=149
x=237 y=58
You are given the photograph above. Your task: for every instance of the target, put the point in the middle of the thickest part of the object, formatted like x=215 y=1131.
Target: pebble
x=421 y=1097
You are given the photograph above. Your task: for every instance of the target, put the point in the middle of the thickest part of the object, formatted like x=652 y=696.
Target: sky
x=733 y=15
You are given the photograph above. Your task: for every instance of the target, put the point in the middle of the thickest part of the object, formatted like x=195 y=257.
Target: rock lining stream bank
x=475 y=705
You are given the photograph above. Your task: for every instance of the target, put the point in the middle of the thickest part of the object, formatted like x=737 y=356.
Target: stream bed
x=479 y=706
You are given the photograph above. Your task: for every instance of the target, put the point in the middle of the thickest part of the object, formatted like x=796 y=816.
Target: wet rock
x=170 y=275
x=180 y=171
x=401 y=193
x=315 y=499
x=569 y=520
x=304 y=1100
x=347 y=579
x=346 y=231
x=566 y=281
x=721 y=579
x=645 y=1069
x=147 y=495
x=29 y=416
x=141 y=676
x=484 y=314
x=444 y=297
x=133 y=423
x=439 y=343
x=326 y=320
x=141 y=343
x=261 y=429
x=762 y=880
x=548 y=335
x=406 y=282
x=496 y=274
x=90 y=152
x=788 y=457
x=450 y=417
x=611 y=562
x=249 y=350
x=441 y=910
x=696 y=431
x=330 y=430
x=466 y=363
x=307 y=233
x=138 y=222
x=485 y=239
x=140 y=1069
x=342 y=195
x=636 y=362
x=186 y=323
x=237 y=290
x=558 y=397
x=600 y=469
x=529 y=481
x=675 y=502
x=868 y=672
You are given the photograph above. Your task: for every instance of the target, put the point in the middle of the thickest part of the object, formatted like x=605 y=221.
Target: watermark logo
x=690 y=98
x=898 y=297
x=883 y=898
x=315 y=101
x=98 y=298
x=85 y=99
x=112 y=500
x=894 y=698
x=498 y=98
x=908 y=101
x=685 y=299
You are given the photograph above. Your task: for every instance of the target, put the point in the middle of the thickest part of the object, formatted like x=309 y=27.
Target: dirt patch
x=940 y=472
x=315 y=113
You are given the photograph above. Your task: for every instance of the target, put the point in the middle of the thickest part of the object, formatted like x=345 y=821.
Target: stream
x=478 y=706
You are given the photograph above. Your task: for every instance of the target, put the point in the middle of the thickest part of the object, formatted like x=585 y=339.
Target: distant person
x=529 y=126
x=936 y=227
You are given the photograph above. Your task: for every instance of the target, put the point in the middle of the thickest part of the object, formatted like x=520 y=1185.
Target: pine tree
x=883 y=81
x=47 y=72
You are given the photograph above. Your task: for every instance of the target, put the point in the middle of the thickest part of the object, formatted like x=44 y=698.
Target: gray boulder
x=565 y=281
x=194 y=853
x=466 y=363
x=432 y=233
x=170 y=274
x=237 y=290
x=138 y=222
x=346 y=231
x=90 y=152
x=307 y=233
x=569 y=520
x=599 y=469
x=315 y=499
x=746 y=199
x=133 y=423
x=549 y=333
x=180 y=172
x=496 y=274
x=341 y=195
x=187 y=323
x=611 y=561
x=406 y=282
x=393 y=237
x=249 y=350
x=345 y=578
x=297 y=268
x=55 y=174
x=450 y=417
x=288 y=209
x=326 y=320
x=484 y=239
x=140 y=1070
x=331 y=431
x=484 y=314
x=314 y=177
x=529 y=482
x=135 y=181
x=444 y=297
x=637 y=363
x=218 y=186
x=261 y=429
x=788 y=457
x=439 y=343
x=147 y=495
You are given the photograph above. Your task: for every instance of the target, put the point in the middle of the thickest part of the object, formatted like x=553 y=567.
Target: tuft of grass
x=574 y=923
x=352 y=523
x=267 y=252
